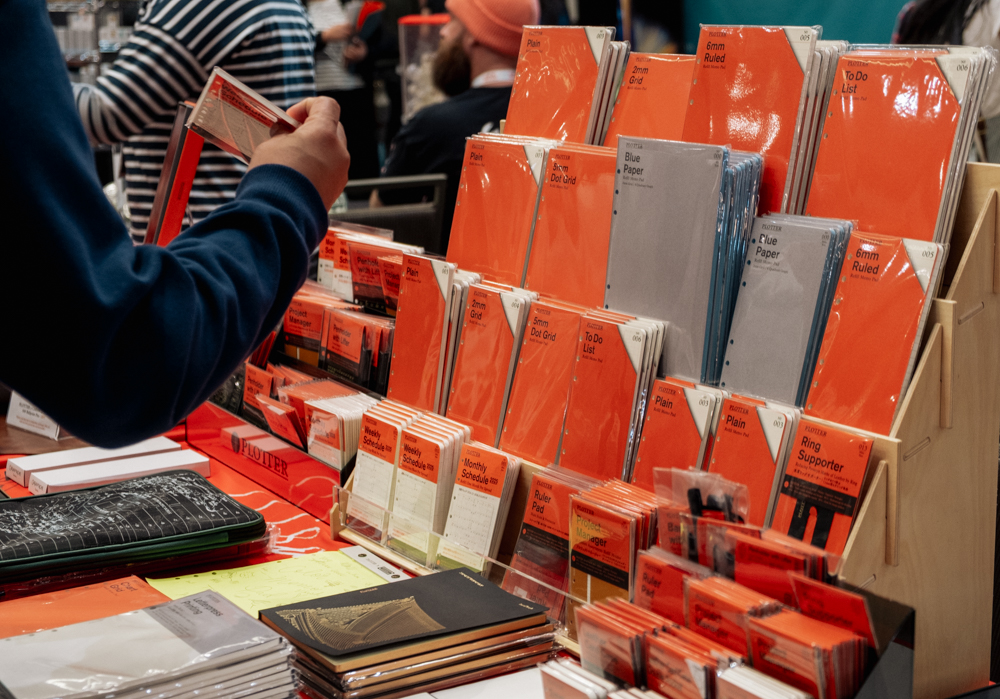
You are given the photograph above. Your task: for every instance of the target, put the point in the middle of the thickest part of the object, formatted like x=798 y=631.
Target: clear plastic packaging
x=419 y=36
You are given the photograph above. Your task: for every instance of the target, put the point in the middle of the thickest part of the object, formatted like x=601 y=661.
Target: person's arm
x=115 y=342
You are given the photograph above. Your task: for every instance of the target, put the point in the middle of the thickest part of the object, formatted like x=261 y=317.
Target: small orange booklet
x=873 y=332
x=653 y=98
x=53 y=609
x=569 y=248
x=495 y=209
x=819 y=490
x=888 y=136
x=556 y=83
x=539 y=393
x=421 y=332
x=748 y=91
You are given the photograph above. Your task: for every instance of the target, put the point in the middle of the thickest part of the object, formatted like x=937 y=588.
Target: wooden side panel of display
x=943 y=503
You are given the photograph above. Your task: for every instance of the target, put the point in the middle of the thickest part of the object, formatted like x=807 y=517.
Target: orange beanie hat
x=495 y=23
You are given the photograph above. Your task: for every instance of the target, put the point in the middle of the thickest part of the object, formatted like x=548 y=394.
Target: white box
x=20 y=469
x=104 y=472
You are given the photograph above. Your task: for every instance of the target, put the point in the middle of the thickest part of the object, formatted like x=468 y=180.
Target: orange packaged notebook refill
x=653 y=99
x=495 y=210
x=560 y=72
x=886 y=99
x=569 y=247
x=422 y=319
x=492 y=330
x=536 y=408
x=873 y=332
x=749 y=92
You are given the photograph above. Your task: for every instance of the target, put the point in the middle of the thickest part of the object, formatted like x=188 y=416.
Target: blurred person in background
x=341 y=74
x=266 y=44
x=474 y=66
x=959 y=22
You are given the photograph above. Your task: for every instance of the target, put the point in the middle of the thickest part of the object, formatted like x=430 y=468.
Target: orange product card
x=483 y=361
x=421 y=326
x=882 y=105
x=602 y=550
x=495 y=209
x=601 y=399
x=256 y=381
x=747 y=94
x=303 y=322
x=607 y=647
x=746 y=449
x=569 y=248
x=420 y=456
x=556 y=80
x=546 y=517
x=659 y=586
x=675 y=669
x=653 y=98
x=345 y=335
x=391 y=268
x=482 y=469
x=719 y=609
x=764 y=566
x=675 y=430
x=323 y=428
x=297 y=395
x=53 y=609
x=797 y=650
x=539 y=392
x=335 y=265
x=868 y=346
x=821 y=485
x=282 y=420
x=833 y=605
x=366 y=275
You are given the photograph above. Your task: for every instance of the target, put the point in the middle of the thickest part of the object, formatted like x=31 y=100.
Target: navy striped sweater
x=267 y=44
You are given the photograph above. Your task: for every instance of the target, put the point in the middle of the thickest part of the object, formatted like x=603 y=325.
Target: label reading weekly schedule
x=415 y=497
x=374 y=471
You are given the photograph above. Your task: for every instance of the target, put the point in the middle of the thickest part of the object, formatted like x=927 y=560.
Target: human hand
x=338 y=32
x=355 y=51
x=317 y=149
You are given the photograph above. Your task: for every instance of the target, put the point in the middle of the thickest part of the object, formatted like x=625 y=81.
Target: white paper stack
x=425 y=478
x=197 y=646
x=379 y=453
x=334 y=427
x=459 y=297
x=618 y=53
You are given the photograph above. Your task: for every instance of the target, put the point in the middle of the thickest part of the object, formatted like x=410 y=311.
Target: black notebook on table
x=356 y=629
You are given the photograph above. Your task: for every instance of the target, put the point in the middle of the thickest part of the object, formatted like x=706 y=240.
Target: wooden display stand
x=925 y=531
x=926 y=528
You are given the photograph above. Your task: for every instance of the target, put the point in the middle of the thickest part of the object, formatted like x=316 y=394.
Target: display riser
x=925 y=532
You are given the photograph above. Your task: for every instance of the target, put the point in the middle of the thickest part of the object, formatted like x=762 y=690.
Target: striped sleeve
x=267 y=44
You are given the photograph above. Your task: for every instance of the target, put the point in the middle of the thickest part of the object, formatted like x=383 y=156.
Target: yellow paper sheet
x=276 y=583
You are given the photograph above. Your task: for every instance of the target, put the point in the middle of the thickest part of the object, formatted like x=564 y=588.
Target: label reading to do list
x=475 y=503
x=373 y=472
x=415 y=497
